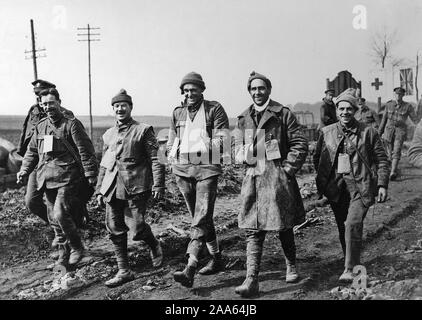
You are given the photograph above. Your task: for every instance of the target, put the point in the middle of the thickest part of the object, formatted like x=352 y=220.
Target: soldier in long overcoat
x=269 y=140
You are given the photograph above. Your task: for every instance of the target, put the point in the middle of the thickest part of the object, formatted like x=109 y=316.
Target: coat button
x=119 y=142
x=117 y=157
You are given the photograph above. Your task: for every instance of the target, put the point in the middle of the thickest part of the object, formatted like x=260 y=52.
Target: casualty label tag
x=48 y=143
x=343 y=164
x=271 y=149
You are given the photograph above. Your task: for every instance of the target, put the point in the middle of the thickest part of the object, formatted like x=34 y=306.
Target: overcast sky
x=147 y=46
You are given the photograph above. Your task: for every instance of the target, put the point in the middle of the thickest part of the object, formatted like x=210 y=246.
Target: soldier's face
x=122 y=111
x=259 y=91
x=399 y=96
x=329 y=96
x=345 y=112
x=192 y=93
x=50 y=105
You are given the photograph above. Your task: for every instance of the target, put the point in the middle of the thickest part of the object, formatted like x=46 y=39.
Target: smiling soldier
x=129 y=169
x=271 y=199
x=62 y=152
x=348 y=159
x=192 y=138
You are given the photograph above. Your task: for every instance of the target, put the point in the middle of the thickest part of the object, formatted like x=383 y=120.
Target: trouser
x=393 y=147
x=255 y=240
x=115 y=218
x=349 y=212
x=117 y=228
x=34 y=198
x=200 y=198
x=60 y=202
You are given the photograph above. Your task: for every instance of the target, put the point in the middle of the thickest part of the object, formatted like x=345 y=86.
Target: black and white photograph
x=211 y=154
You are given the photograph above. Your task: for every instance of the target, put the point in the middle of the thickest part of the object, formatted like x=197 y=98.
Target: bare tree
x=382 y=44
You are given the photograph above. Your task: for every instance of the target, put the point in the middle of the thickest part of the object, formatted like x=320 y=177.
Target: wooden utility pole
x=34 y=51
x=89 y=39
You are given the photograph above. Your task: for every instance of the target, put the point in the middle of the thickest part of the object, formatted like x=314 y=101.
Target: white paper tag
x=173 y=151
x=343 y=164
x=48 y=143
x=272 y=150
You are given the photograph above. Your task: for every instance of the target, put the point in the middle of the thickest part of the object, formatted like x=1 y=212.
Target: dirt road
x=392 y=255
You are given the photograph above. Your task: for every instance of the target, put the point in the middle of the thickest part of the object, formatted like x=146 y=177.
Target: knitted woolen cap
x=192 y=77
x=348 y=95
x=122 y=96
x=255 y=75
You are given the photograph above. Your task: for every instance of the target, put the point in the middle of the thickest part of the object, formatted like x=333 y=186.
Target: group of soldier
x=353 y=171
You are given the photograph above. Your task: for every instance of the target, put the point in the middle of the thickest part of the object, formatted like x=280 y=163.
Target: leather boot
x=121 y=277
x=213 y=266
x=185 y=277
x=77 y=249
x=291 y=273
x=347 y=276
x=63 y=254
x=156 y=254
x=394 y=166
x=250 y=287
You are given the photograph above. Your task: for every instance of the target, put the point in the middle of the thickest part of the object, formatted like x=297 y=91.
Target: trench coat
x=271 y=199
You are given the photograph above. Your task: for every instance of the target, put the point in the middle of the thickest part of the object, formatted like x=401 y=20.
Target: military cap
x=329 y=90
x=348 y=95
x=40 y=85
x=399 y=90
x=255 y=75
x=122 y=96
x=194 y=78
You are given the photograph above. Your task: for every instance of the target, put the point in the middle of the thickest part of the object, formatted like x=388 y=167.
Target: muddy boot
x=156 y=254
x=291 y=273
x=213 y=266
x=347 y=276
x=77 y=250
x=55 y=247
x=394 y=166
x=63 y=254
x=185 y=277
x=121 y=277
x=250 y=287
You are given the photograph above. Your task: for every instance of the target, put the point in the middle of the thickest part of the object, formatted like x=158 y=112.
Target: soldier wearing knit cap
x=271 y=199
x=352 y=170
x=128 y=171
x=193 y=132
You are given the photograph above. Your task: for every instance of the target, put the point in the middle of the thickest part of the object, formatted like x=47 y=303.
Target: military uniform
x=58 y=174
x=328 y=113
x=128 y=171
x=350 y=192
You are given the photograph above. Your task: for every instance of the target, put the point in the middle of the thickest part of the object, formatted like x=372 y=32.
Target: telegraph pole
x=34 y=51
x=89 y=39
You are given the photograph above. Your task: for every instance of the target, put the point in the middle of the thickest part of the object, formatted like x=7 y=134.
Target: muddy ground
x=392 y=251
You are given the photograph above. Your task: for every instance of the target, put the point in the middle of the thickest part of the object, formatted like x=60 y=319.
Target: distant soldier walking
x=352 y=170
x=393 y=128
x=190 y=145
x=63 y=154
x=366 y=115
x=270 y=141
x=129 y=169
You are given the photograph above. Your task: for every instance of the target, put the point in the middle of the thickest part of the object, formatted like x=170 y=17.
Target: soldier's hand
x=19 y=177
x=158 y=194
x=100 y=200
x=382 y=194
x=92 y=181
